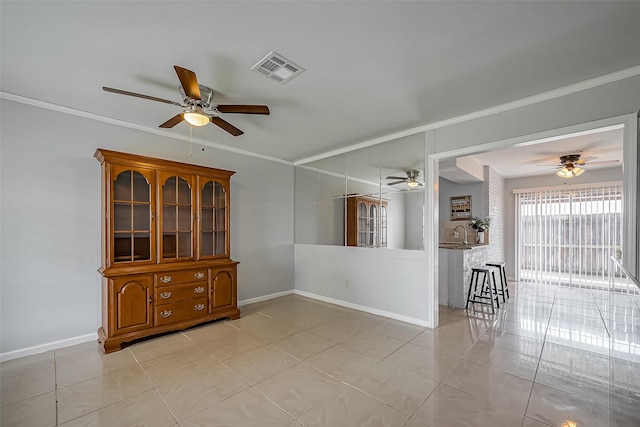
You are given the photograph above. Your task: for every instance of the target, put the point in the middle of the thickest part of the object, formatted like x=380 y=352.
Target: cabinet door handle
x=165 y=295
x=198 y=307
x=166 y=313
x=199 y=290
x=199 y=275
x=166 y=279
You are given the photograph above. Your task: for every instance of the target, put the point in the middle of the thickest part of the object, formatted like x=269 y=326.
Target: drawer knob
x=199 y=275
x=198 y=307
x=165 y=295
x=166 y=313
x=199 y=290
x=166 y=279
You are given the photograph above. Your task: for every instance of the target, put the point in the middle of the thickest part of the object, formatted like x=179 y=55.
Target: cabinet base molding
x=118 y=342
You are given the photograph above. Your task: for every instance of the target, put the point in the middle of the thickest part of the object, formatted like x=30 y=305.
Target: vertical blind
x=567 y=234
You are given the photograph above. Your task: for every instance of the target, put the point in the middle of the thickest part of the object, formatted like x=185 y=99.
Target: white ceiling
x=372 y=68
x=601 y=148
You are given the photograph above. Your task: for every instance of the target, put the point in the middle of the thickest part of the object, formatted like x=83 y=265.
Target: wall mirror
x=371 y=197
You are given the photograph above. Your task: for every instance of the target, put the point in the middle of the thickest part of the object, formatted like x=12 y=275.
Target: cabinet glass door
x=383 y=226
x=213 y=220
x=373 y=226
x=177 y=227
x=131 y=217
x=362 y=224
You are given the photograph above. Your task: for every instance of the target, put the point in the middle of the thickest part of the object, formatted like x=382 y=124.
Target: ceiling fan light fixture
x=570 y=172
x=196 y=118
x=412 y=184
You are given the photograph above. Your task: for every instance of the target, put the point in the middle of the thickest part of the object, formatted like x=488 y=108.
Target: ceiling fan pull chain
x=190 y=140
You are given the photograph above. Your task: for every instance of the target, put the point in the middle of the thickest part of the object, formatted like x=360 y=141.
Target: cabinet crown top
x=136 y=160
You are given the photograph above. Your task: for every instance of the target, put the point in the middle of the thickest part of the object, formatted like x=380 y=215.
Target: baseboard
x=264 y=297
x=30 y=351
x=365 y=308
x=93 y=337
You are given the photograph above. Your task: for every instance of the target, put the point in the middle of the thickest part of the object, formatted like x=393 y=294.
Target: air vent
x=277 y=68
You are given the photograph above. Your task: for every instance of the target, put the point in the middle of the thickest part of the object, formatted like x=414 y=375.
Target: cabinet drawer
x=183 y=310
x=179 y=277
x=175 y=293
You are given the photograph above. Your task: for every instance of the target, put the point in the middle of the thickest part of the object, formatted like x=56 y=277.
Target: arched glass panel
x=131 y=217
x=213 y=217
x=176 y=219
x=373 y=226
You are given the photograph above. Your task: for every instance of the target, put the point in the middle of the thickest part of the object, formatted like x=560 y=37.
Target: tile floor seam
x=272 y=401
x=55 y=386
x=166 y=405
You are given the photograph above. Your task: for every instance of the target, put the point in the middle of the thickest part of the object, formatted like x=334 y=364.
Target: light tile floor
x=542 y=360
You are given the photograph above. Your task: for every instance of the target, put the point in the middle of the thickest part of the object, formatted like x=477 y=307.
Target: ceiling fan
x=411 y=179
x=570 y=164
x=199 y=107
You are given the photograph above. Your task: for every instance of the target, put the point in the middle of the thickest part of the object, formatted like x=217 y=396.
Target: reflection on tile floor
x=543 y=359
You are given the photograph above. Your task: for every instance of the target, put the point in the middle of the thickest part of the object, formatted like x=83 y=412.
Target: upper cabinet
x=163 y=212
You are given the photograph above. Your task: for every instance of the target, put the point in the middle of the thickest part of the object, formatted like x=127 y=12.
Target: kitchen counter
x=455 y=263
x=458 y=245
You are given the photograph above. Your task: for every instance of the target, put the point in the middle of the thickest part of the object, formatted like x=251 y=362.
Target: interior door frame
x=631 y=209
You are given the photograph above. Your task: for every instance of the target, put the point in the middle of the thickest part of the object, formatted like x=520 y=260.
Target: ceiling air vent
x=277 y=68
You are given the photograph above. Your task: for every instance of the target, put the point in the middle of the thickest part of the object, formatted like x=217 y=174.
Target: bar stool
x=485 y=288
x=504 y=286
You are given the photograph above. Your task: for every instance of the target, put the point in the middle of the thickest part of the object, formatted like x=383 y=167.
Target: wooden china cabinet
x=165 y=247
x=366 y=221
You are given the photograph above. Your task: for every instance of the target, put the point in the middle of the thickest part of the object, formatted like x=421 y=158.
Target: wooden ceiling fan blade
x=397 y=177
x=188 y=81
x=397 y=182
x=139 y=95
x=226 y=126
x=244 y=109
x=172 y=121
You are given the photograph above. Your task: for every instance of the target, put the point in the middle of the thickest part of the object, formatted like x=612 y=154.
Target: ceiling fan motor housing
x=570 y=158
x=206 y=97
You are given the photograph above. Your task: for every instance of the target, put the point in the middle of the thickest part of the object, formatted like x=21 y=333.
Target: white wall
x=50 y=220
x=448 y=189
x=590 y=176
x=323 y=272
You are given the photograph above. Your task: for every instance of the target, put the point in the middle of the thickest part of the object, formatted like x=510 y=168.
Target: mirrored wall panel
x=371 y=197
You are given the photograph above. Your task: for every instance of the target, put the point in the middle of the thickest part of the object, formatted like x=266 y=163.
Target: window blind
x=566 y=234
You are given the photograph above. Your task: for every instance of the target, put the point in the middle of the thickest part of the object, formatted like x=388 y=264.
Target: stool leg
x=487 y=278
x=495 y=289
x=469 y=293
x=503 y=279
x=495 y=283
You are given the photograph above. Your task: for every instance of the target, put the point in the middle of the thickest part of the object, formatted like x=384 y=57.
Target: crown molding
x=122 y=123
